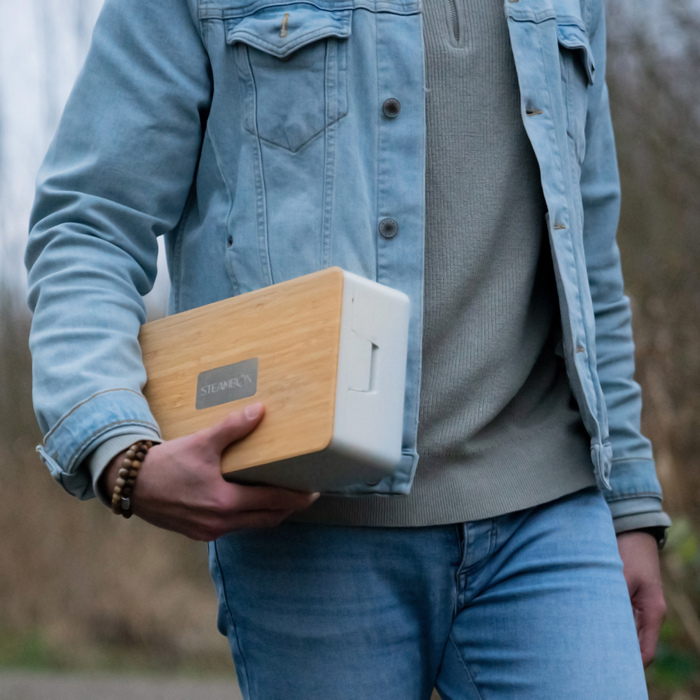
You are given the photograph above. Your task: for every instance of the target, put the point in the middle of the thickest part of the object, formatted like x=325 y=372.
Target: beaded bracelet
x=124 y=487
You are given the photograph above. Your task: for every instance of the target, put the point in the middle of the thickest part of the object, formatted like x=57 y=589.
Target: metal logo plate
x=226 y=384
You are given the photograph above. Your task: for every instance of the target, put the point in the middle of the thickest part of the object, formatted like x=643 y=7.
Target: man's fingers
x=647 y=643
x=649 y=621
x=257 y=519
x=233 y=427
x=252 y=498
x=210 y=531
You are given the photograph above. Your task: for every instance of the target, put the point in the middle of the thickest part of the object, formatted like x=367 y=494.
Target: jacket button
x=229 y=241
x=391 y=108
x=388 y=228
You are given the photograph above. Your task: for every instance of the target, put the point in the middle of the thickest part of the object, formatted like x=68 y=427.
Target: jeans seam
x=233 y=624
x=465 y=667
x=493 y=544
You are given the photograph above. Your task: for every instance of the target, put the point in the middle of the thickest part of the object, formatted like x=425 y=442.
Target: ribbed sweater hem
x=511 y=477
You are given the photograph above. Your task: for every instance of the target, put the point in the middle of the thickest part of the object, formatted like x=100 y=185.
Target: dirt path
x=30 y=686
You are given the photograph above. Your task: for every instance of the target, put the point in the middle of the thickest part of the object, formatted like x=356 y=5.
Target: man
x=461 y=152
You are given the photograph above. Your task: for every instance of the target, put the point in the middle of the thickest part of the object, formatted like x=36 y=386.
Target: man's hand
x=640 y=556
x=180 y=487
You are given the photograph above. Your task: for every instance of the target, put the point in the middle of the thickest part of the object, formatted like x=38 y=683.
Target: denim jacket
x=251 y=134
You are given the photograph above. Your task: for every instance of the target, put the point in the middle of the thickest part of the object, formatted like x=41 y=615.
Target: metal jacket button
x=391 y=108
x=388 y=228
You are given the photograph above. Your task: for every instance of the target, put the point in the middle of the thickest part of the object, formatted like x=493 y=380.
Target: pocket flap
x=574 y=38
x=283 y=29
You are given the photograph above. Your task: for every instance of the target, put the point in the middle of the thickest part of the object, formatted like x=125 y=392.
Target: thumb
x=233 y=427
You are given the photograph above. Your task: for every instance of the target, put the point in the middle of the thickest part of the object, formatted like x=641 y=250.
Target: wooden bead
x=126 y=481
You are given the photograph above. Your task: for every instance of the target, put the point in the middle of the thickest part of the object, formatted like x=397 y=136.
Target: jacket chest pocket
x=577 y=74
x=292 y=60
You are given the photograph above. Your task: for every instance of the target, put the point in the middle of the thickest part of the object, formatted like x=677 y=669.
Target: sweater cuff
x=98 y=460
x=641 y=521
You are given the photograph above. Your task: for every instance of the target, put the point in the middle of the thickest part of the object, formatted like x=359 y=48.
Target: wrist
x=658 y=534
x=108 y=479
x=99 y=459
x=125 y=481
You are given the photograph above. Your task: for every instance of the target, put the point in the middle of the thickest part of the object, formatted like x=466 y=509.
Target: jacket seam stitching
x=632 y=459
x=311 y=35
x=65 y=416
x=261 y=194
x=579 y=296
x=208 y=12
x=635 y=495
x=229 y=213
x=295 y=150
x=642 y=514
x=331 y=111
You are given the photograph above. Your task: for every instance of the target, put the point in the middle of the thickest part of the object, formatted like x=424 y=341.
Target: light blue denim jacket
x=250 y=133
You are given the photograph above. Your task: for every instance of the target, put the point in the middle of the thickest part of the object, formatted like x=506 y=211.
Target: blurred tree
x=653 y=76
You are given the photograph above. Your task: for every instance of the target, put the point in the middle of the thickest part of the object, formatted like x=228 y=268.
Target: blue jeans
x=531 y=604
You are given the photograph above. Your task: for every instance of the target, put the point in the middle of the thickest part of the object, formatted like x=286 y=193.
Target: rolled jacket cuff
x=87 y=425
x=642 y=513
x=655 y=524
x=632 y=478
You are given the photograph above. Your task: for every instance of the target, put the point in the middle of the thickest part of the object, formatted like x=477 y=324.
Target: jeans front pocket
x=292 y=61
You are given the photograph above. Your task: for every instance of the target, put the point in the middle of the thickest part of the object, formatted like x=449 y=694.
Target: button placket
x=388 y=227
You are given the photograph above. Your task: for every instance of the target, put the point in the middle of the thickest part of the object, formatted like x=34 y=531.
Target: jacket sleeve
x=635 y=498
x=116 y=176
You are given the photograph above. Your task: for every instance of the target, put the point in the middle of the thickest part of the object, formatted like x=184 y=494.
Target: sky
x=43 y=44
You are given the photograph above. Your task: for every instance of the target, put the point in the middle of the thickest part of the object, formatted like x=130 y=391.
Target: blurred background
x=80 y=592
